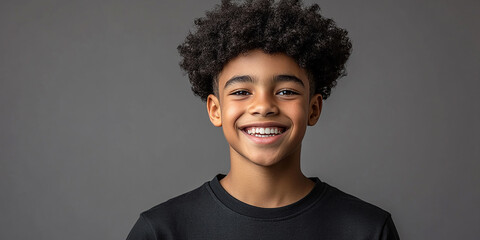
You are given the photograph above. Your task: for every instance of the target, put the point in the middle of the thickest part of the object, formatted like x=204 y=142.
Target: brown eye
x=240 y=93
x=286 y=92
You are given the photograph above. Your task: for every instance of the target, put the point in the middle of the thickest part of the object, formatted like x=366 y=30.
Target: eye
x=286 y=92
x=240 y=93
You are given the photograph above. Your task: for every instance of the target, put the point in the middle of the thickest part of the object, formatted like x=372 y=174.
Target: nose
x=263 y=105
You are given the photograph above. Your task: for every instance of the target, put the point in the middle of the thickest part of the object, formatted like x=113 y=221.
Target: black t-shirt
x=210 y=212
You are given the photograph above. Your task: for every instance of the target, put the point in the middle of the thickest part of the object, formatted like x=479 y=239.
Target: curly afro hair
x=231 y=29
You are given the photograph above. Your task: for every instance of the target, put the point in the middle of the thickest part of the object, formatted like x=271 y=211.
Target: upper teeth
x=261 y=130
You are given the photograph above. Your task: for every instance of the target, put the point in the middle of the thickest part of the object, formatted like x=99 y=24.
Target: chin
x=265 y=161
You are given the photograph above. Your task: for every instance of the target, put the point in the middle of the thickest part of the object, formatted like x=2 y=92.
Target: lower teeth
x=258 y=135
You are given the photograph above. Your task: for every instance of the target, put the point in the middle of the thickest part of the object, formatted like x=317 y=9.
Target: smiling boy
x=264 y=70
x=264 y=107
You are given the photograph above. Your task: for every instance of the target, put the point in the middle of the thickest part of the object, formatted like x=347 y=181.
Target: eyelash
x=284 y=92
x=287 y=92
x=240 y=93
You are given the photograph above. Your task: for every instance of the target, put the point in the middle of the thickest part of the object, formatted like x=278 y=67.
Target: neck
x=272 y=186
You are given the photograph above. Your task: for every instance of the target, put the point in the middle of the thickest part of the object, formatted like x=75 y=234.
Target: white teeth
x=264 y=132
x=260 y=135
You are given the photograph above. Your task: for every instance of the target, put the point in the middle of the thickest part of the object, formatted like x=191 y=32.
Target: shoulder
x=159 y=221
x=178 y=205
x=361 y=217
x=354 y=206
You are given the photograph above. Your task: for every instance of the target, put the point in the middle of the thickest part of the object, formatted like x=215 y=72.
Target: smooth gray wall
x=97 y=121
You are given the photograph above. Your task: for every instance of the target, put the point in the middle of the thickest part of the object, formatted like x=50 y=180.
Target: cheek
x=230 y=113
x=298 y=112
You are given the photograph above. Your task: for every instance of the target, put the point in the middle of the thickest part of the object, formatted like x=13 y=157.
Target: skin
x=259 y=89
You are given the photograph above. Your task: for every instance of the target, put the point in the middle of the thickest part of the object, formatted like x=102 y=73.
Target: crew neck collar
x=266 y=213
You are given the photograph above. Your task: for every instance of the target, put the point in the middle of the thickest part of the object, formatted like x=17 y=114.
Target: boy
x=264 y=69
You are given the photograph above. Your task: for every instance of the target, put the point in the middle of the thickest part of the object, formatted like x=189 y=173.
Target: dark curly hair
x=230 y=29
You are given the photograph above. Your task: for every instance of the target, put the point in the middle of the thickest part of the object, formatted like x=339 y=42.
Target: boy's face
x=264 y=107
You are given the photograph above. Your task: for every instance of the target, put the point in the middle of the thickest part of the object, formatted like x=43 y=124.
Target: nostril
x=270 y=113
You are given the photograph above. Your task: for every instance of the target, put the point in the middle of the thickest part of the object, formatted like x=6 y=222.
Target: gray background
x=97 y=121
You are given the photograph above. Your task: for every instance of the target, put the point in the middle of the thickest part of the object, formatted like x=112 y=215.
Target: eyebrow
x=239 y=79
x=276 y=79
x=287 y=78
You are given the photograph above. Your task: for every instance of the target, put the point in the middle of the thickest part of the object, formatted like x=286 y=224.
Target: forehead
x=261 y=66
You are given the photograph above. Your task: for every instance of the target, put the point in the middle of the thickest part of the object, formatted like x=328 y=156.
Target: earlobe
x=315 y=109
x=214 y=111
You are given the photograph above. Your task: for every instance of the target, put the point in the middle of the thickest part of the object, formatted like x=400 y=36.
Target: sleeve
x=389 y=232
x=142 y=230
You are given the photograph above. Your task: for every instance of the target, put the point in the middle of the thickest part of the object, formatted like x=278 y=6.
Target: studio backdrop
x=98 y=123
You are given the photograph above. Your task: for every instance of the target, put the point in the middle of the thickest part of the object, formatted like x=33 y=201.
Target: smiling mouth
x=264 y=131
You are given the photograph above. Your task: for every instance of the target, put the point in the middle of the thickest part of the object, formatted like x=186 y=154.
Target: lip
x=264 y=140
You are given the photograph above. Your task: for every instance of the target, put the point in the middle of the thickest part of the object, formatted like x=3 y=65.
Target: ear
x=315 y=109
x=214 y=111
